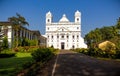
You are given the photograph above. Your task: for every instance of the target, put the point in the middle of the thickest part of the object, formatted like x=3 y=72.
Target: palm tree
x=17 y=21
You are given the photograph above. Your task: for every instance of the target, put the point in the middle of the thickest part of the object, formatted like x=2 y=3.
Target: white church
x=64 y=34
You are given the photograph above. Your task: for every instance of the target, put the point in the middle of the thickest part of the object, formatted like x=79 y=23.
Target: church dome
x=64 y=19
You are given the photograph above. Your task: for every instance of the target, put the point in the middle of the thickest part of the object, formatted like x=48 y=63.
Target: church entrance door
x=62 y=45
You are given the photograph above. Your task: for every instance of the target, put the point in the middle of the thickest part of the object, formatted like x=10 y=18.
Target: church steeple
x=48 y=17
x=77 y=17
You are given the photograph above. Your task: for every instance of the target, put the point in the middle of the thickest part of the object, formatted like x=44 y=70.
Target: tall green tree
x=107 y=33
x=111 y=33
x=93 y=37
x=17 y=21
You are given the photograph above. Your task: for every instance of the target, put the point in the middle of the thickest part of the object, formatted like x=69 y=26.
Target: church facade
x=64 y=34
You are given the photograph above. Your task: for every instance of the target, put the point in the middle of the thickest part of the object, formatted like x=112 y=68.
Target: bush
x=99 y=53
x=5 y=55
x=25 y=49
x=27 y=64
x=81 y=50
x=42 y=54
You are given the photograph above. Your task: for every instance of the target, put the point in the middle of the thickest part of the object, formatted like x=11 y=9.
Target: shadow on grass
x=11 y=66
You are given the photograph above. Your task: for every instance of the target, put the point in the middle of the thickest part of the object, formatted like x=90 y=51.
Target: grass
x=10 y=66
x=107 y=59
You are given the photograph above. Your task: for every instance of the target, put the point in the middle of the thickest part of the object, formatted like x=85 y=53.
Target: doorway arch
x=62 y=45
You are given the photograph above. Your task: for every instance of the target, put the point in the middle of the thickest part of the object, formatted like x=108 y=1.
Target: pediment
x=62 y=29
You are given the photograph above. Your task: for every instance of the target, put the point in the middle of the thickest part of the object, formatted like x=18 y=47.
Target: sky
x=95 y=13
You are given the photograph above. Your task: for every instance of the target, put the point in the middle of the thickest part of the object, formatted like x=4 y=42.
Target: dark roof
x=5 y=23
x=36 y=32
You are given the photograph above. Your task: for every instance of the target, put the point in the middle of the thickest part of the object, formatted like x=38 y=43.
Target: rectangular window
x=67 y=36
x=73 y=36
x=62 y=36
x=48 y=28
x=57 y=36
x=77 y=36
x=52 y=37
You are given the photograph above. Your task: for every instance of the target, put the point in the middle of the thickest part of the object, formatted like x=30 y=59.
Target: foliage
x=110 y=33
x=14 y=42
x=25 y=49
x=27 y=64
x=35 y=67
x=96 y=52
x=42 y=54
x=25 y=42
x=118 y=23
x=5 y=55
x=17 y=21
x=33 y=42
x=93 y=36
x=5 y=43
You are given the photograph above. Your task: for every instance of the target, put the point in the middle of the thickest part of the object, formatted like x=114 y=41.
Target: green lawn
x=9 y=66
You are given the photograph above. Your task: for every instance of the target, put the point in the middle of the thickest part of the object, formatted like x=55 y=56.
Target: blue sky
x=95 y=13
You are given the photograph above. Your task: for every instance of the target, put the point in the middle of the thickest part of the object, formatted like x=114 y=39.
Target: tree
x=118 y=23
x=93 y=37
x=17 y=21
x=107 y=33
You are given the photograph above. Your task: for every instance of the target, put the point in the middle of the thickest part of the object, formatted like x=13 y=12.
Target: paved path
x=73 y=64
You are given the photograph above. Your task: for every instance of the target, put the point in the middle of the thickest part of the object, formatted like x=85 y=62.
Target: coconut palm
x=16 y=22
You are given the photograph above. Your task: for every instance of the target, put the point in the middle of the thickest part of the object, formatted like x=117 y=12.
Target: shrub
x=42 y=54
x=81 y=50
x=27 y=64
x=5 y=43
x=5 y=55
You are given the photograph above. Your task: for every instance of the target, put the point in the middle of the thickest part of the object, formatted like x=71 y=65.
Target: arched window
x=62 y=36
x=48 y=20
x=57 y=36
x=48 y=28
x=52 y=37
x=67 y=36
x=73 y=46
x=77 y=19
x=73 y=36
x=77 y=36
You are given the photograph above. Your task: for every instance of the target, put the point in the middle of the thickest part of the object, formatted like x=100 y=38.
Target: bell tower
x=48 y=17
x=77 y=17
